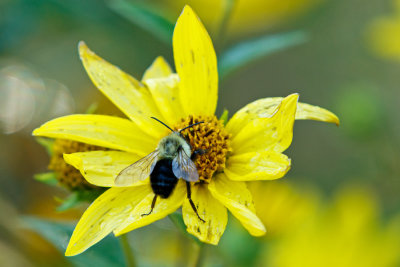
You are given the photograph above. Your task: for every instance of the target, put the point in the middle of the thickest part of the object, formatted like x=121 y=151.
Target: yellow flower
x=384 y=35
x=287 y=205
x=249 y=147
x=346 y=234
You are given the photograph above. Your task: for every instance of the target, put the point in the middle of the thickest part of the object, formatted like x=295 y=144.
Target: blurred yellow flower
x=248 y=148
x=281 y=206
x=346 y=234
x=246 y=16
x=68 y=176
x=384 y=35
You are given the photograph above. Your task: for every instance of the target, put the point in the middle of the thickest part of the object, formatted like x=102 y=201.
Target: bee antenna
x=162 y=123
x=191 y=125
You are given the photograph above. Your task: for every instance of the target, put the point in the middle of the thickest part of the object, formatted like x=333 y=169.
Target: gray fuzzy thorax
x=170 y=145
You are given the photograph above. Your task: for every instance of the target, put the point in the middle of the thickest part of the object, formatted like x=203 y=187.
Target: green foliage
x=249 y=51
x=77 y=198
x=146 y=17
x=106 y=253
x=239 y=247
x=362 y=109
x=46 y=178
x=177 y=219
x=92 y=108
x=225 y=116
x=47 y=143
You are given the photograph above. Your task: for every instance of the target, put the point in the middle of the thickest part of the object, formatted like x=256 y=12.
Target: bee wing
x=137 y=171
x=183 y=167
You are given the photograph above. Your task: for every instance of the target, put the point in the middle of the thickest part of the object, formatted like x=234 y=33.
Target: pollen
x=67 y=175
x=212 y=142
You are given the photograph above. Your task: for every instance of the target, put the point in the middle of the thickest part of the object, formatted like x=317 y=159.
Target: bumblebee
x=172 y=160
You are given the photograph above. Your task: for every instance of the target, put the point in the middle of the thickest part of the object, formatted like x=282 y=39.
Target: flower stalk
x=129 y=257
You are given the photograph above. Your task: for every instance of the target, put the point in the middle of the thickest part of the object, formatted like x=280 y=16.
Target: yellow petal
x=196 y=64
x=128 y=94
x=165 y=92
x=158 y=69
x=271 y=133
x=237 y=198
x=263 y=165
x=108 y=211
x=162 y=208
x=101 y=167
x=100 y=130
x=265 y=108
x=210 y=210
x=310 y=112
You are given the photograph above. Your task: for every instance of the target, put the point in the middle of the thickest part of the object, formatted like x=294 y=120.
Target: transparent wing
x=137 y=171
x=183 y=167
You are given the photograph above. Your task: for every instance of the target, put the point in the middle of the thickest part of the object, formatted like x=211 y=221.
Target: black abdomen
x=163 y=180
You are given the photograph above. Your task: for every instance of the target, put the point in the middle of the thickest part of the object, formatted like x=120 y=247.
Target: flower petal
x=196 y=64
x=101 y=167
x=128 y=94
x=210 y=210
x=158 y=69
x=165 y=92
x=237 y=198
x=100 y=130
x=265 y=108
x=263 y=165
x=271 y=133
x=163 y=207
x=108 y=211
x=310 y=112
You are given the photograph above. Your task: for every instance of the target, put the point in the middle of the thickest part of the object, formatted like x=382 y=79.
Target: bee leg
x=189 y=196
x=152 y=206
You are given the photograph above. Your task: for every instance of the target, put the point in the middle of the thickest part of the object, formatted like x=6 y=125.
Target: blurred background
x=338 y=205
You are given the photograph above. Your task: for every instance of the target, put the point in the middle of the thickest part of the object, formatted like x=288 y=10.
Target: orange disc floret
x=211 y=137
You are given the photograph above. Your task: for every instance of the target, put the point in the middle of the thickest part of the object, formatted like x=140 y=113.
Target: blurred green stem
x=177 y=220
x=129 y=258
x=230 y=4
x=198 y=246
x=200 y=255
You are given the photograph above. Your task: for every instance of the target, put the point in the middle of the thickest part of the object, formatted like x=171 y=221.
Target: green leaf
x=47 y=143
x=78 y=197
x=108 y=252
x=92 y=108
x=225 y=116
x=89 y=195
x=248 y=51
x=46 y=178
x=146 y=17
x=70 y=202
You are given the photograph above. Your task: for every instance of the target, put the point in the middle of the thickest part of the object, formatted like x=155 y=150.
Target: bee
x=172 y=160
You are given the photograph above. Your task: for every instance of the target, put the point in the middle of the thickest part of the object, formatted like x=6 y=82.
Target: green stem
x=200 y=255
x=177 y=220
x=130 y=260
x=198 y=246
x=230 y=4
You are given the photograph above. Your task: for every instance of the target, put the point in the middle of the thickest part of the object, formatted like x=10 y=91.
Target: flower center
x=67 y=175
x=209 y=137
